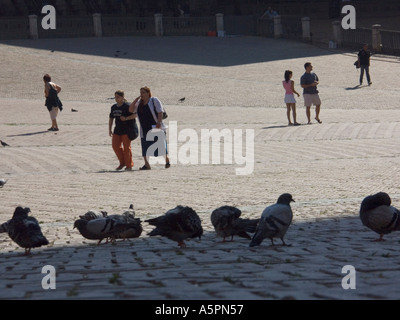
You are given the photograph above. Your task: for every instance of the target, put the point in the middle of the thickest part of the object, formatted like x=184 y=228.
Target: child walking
x=290 y=101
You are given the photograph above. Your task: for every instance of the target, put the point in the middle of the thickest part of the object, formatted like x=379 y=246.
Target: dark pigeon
x=25 y=230
x=227 y=223
x=177 y=224
x=377 y=214
x=4 y=144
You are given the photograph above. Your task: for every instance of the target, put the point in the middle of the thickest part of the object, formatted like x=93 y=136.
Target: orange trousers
x=121 y=145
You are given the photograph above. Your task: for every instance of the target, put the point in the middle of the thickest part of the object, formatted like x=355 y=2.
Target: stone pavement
x=230 y=83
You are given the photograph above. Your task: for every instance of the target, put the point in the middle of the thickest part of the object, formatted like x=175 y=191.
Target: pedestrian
x=153 y=137
x=121 y=143
x=289 y=99
x=364 y=56
x=53 y=102
x=309 y=81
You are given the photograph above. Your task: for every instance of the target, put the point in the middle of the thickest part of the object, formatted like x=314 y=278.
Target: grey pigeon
x=182 y=99
x=275 y=221
x=377 y=213
x=101 y=228
x=4 y=144
x=177 y=224
x=73 y=110
x=92 y=214
x=25 y=230
x=134 y=230
x=2 y=182
x=227 y=222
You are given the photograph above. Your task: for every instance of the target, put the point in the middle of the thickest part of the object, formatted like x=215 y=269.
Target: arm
x=110 y=122
x=57 y=87
x=46 y=90
x=294 y=89
x=159 y=112
x=133 y=106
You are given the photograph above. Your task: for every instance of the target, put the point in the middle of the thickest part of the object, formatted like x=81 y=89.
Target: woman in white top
x=290 y=101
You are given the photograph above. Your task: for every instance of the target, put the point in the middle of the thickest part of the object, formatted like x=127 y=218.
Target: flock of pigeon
x=182 y=223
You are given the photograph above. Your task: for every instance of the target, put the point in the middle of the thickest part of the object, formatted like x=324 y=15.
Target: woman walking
x=121 y=143
x=53 y=103
x=290 y=101
x=149 y=111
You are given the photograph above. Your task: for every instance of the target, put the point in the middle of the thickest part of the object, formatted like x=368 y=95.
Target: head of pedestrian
x=288 y=75
x=308 y=66
x=145 y=92
x=119 y=96
x=365 y=46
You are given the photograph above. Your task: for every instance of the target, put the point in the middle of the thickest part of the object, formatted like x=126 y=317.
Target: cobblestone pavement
x=229 y=83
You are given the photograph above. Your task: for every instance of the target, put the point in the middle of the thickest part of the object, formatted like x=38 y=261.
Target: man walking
x=309 y=81
x=364 y=56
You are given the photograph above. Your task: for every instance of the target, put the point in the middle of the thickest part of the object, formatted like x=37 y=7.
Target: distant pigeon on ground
x=73 y=110
x=377 y=213
x=4 y=144
x=177 y=224
x=2 y=182
x=182 y=99
x=25 y=230
x=275 y=221
x=227 y=222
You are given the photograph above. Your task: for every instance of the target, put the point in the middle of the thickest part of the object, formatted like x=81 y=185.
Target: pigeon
x=4 y=144
x=227 y=222
x=2 y=182
x=133 y=227
x=92 y=214
x=25 y=230
x=73 y=110
x=182 y=99
x=4 y=227
x=377 y=213
x=134 y=230
x=275 y=221
x=103 y=228
x=177 y=224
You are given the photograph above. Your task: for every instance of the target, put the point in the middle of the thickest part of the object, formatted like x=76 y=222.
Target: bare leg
x=317 y=110
x=288 y=113
x=308 y=114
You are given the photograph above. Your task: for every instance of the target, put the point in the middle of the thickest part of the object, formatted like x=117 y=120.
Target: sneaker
x=55 y=129
x=119 y=167
x=369 y=83
x=128 y=169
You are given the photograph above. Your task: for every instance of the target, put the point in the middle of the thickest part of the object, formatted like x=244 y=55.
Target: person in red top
x=290 y=101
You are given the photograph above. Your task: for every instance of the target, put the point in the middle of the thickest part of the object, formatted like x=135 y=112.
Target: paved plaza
x=232 y=83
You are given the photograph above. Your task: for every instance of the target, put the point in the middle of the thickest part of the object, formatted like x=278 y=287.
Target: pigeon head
x=199 y=233
x=374 y=201
x=80 y=224
x=21 y=212
x=285 y=198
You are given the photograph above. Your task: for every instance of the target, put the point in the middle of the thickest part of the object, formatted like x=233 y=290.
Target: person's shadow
x=354 y=88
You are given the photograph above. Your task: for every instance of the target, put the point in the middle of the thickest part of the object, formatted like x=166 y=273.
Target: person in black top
x=121 y=143
x=363 y=61
x=53 y=103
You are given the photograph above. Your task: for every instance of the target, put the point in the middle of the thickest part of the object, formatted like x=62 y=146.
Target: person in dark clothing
x=53 y=102
x=152 y=130
x=121 y=143
x=364 y=56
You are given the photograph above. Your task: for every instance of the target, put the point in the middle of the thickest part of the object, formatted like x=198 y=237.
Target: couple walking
x=149 y=111
x=308 y=82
